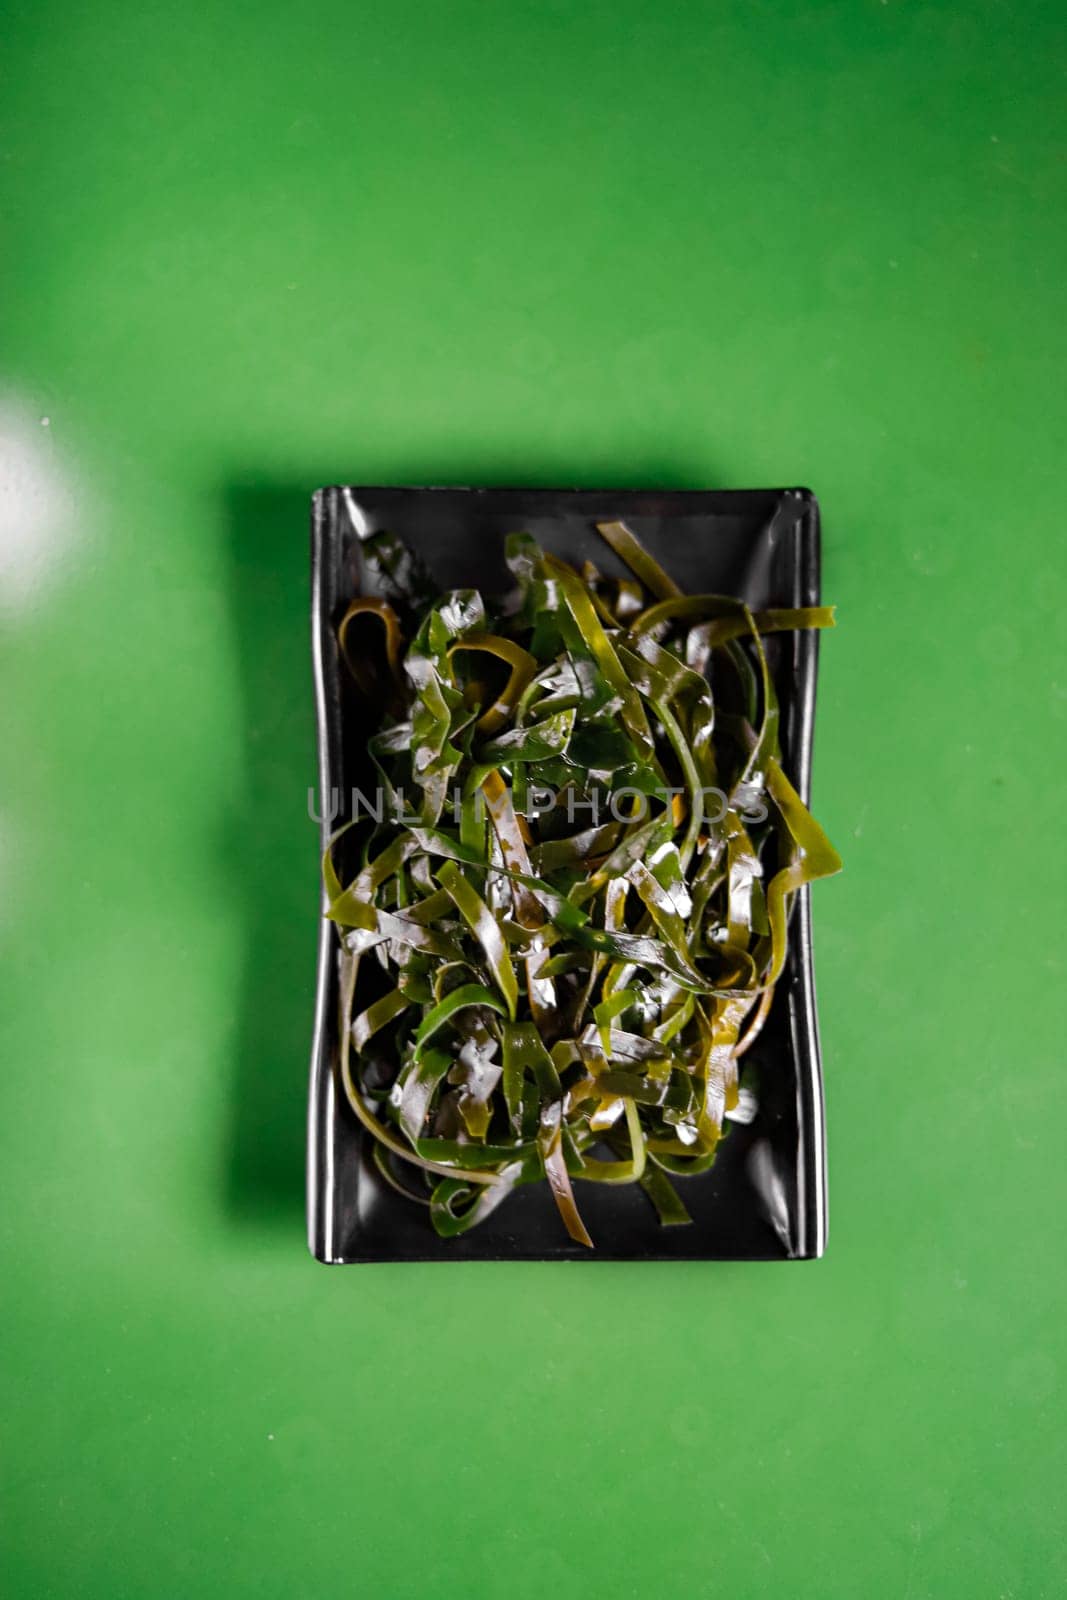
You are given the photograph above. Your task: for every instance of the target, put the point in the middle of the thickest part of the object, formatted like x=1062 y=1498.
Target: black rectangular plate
x=765 y=1197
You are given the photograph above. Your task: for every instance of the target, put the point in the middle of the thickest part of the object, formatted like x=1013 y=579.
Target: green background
x=253 y=248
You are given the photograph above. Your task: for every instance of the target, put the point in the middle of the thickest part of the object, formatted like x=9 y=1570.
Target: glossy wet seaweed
x=562 y=929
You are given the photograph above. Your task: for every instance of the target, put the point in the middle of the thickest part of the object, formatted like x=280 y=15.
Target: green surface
x=255 y=248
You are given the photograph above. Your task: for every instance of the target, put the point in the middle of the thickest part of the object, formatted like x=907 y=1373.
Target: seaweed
x=573 y=919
